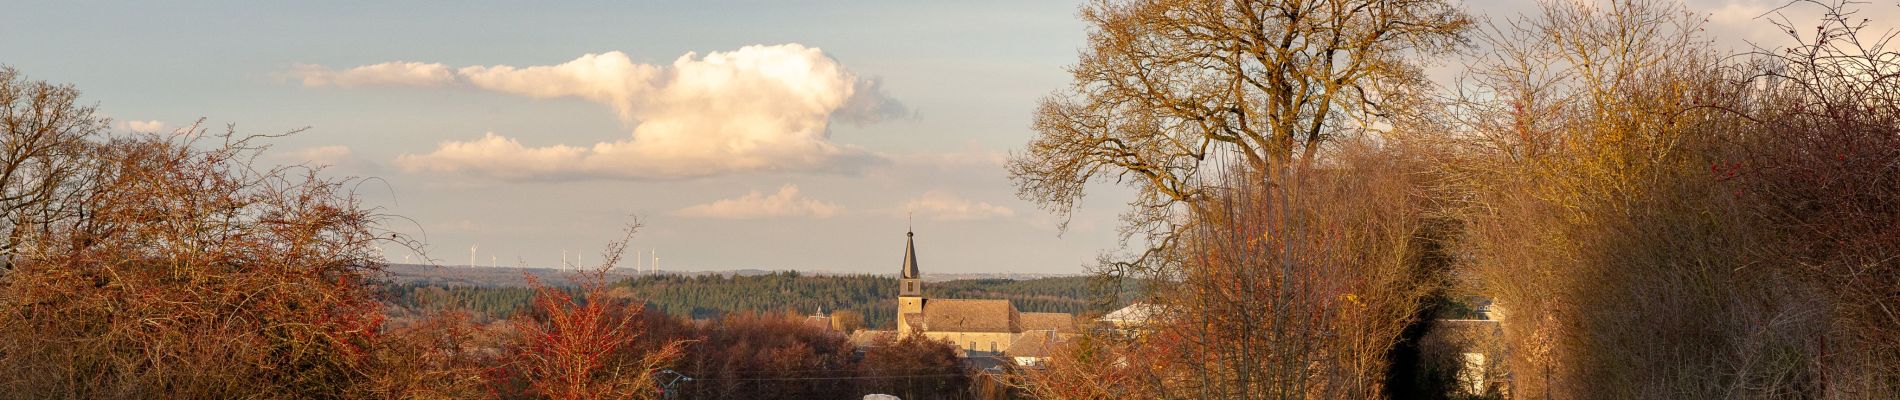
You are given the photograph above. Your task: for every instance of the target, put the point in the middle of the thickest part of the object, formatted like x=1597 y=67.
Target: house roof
x=1133 y=314
x=962 y=315
x=1035 y=343
x=1059 y=322
x=870 y=338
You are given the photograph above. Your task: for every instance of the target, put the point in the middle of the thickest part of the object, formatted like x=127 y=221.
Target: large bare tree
x=1164 y=85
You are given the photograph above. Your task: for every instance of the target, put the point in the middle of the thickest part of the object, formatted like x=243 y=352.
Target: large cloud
x=758 y=108
x=756 y=205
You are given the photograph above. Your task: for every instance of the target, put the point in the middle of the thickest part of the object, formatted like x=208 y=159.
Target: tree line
x=710 y=296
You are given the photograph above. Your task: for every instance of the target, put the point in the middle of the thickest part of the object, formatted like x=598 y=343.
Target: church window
x=992 y=346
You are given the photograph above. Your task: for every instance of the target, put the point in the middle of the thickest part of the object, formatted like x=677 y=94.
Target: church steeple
x=910 y=257
x=910 y=287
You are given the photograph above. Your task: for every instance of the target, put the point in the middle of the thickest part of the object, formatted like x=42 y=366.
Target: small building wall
x=982 y=340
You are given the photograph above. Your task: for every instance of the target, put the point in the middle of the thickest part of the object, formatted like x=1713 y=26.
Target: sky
x=770 y=134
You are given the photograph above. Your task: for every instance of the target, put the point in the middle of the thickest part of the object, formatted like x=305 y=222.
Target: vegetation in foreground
x=1655 y=218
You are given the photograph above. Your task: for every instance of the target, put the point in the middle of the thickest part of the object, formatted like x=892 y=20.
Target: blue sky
x=955 y=82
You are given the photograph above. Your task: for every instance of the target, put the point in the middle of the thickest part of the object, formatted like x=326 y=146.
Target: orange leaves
x=585 y=346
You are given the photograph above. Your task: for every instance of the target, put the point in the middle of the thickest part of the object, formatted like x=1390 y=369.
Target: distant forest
x=710 y=296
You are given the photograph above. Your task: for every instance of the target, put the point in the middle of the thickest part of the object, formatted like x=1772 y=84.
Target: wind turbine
x=471 y=254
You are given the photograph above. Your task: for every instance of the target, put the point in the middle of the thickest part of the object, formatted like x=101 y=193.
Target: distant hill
x=706 y=295
x=462 y=275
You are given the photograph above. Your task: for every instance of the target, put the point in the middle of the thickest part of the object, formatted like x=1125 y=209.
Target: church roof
x=910 y=257
x=1059 y=322
x=964 y=315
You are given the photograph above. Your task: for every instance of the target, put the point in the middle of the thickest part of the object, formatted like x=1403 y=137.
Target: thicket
x=1654 y=217
x=1661 y=220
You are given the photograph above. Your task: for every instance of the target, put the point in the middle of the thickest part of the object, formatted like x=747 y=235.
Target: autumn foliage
x=585 y=345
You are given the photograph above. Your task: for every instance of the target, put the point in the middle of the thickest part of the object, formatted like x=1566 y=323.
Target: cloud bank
x=756 y=205
x=758 y=108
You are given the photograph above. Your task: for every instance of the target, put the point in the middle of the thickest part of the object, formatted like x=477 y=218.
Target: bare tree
x=1164 y=84
x=1217 y=111
x=43 y=131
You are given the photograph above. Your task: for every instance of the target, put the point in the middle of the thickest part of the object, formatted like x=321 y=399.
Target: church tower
x=910 y=287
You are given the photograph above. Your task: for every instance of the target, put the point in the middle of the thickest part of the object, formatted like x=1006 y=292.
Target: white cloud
x=147 y=126
x=758 y=108
x=394 y=73
x=756 y=205
x=944 y=206
x=324 y=155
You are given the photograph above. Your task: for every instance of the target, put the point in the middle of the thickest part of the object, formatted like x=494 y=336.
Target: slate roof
x=1059 y=322
x=965 y=315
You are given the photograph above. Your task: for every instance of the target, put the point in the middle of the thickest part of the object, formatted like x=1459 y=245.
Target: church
x=978 y=327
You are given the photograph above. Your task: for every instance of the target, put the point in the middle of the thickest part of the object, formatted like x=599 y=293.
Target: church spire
x=910 y=257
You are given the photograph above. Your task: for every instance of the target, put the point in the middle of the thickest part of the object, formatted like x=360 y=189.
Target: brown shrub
x=186 y=272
